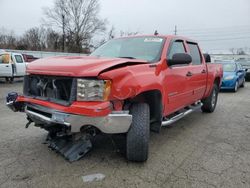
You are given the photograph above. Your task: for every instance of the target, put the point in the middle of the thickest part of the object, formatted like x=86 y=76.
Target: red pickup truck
x=127 y=86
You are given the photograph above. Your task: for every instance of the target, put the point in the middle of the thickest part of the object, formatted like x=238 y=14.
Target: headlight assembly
x=93 y=90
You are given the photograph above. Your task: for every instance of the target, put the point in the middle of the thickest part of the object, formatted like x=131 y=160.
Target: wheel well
x=154 y=99
x=217 y=81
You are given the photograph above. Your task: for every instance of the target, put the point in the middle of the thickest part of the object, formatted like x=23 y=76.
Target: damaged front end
x=72 y=146
x=60 y=139
x=50 y=103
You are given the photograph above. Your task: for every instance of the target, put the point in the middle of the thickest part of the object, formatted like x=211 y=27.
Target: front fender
x=128 y=82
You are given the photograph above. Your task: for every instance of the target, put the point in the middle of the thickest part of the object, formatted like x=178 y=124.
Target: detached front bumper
x=113 y=123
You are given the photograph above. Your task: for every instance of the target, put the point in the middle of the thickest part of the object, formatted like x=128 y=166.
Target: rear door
x=176 y=86
x=198 y=77
x=5 y=66
x=20 y=65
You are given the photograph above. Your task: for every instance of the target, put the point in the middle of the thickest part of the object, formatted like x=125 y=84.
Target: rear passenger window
x=195 y=53
x=177 y=47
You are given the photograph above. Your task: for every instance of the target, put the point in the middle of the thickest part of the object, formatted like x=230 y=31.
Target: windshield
x=146 y=48
x=229 y=67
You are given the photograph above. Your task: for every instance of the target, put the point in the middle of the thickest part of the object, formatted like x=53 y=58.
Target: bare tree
x=58 y=17
x=34 y=38
x=79 y=19
x=8 y=39
x=240 y=51
x=53 y=40
x=232 y=50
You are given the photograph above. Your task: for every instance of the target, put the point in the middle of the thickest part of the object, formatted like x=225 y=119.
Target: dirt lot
x=201 y=150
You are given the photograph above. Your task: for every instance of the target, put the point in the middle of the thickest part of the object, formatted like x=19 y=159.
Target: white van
x=12 y=65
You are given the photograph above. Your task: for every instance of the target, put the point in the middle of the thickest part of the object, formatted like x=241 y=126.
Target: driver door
x=19 y=64
x=5 y=66
x=176 y=85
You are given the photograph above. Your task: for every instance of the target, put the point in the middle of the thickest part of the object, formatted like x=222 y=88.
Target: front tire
x=138 y=134
x=210 y=102
x=236 y=86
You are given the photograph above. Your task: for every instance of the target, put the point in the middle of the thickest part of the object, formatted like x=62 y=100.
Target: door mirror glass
x=179 y=59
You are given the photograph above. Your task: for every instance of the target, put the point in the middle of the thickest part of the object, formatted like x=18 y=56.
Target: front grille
x=61 y=90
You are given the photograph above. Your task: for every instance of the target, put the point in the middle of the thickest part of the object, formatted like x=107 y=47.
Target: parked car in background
x=245 y=63
x=233 y=75
x=12 y=65
x=29 y=58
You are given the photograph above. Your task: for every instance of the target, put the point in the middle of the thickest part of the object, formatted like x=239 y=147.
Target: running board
x=183 y=113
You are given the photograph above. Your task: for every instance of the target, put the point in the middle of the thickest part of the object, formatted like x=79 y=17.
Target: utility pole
x=175 y=30
x=63 y=24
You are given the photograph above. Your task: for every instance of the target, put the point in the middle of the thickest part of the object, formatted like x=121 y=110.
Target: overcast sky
x=216 y=24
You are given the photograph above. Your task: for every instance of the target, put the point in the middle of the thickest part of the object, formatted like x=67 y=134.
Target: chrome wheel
x=214 y=96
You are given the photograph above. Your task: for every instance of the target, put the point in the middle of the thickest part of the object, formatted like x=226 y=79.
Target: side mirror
x=207 y=58
x=180 y=59
x=246 y=70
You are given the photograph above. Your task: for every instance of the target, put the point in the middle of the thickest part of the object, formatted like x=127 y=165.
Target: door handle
x=7 y=66
x=189 y=74
x=203 y=71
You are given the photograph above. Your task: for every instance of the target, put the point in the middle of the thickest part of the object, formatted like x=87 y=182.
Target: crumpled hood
x=77 y=66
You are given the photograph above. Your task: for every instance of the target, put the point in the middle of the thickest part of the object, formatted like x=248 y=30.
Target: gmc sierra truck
x=127 y=86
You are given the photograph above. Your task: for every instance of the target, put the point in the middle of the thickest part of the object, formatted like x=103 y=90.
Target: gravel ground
x=201 y=150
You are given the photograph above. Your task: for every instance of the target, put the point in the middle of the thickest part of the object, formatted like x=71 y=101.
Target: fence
x=42 y=54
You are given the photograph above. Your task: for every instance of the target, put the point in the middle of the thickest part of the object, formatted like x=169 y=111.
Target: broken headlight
x=93 y=90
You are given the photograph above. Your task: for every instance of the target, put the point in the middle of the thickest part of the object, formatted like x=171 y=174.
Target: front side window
x=145 y=48
x=18 y=59
x=195 y=53
x=177 y=47
x=4 y=58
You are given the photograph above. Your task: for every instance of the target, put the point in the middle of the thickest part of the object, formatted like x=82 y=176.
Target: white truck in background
x=12 y=65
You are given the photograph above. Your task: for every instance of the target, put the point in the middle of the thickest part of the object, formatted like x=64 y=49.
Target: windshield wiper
x=127 y=57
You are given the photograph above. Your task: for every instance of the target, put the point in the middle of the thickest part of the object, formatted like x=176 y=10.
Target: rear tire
x=11 y=79
x=210 y=102
x=138 y=134
x=243 y=83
